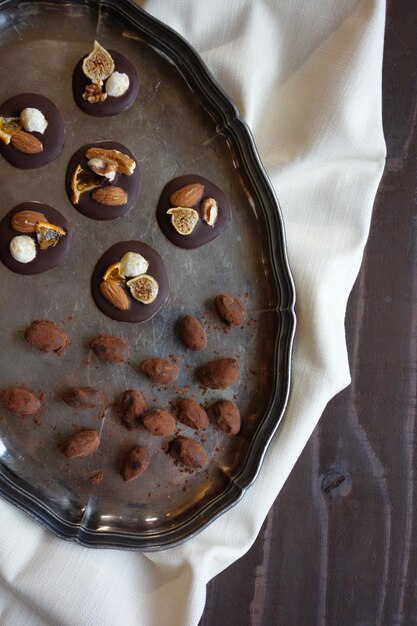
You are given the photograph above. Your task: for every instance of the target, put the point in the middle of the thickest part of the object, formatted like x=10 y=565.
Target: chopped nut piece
x=103 y=167
x=82 y=181
x=8 y=127
x=23 y=248
x=33 y=120
x=125 y=165
x=143 y=288
x=184 y=220
x=209 y=211
x=98 y=65
x=94 y=93
x=133 y=264
x=117 y=84
x=48 y=234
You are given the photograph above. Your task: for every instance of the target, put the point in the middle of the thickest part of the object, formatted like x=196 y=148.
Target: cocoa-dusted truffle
x=132 y=405
x=83 y=397
x=159 y=371
x=134 y=463
x=81 y=444
x=230 y=309
x=227 y=416
x=219 y=374
x=110 y=349
x=20 y=400
x=192 y=333
x=188 y=452
x=191 y=413
x=46 y=336
x=159 y=422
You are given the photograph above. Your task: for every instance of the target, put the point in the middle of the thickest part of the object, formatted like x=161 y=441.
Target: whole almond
x=26 y=143
x=111 y=196
x=115 y=294
x=81 y=444
x=187 y=196
x=25 y=221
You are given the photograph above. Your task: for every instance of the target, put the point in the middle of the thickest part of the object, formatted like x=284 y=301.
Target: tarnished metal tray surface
x=182 y=122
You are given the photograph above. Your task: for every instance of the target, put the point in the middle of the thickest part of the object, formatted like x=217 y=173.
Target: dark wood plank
x=340 y=544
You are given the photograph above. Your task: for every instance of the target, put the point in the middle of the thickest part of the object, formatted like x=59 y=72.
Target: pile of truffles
x=132 y=406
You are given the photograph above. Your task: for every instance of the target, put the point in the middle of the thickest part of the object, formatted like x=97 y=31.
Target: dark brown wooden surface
x=339 y=547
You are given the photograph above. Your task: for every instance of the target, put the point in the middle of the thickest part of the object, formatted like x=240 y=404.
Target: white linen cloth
x=307 y=78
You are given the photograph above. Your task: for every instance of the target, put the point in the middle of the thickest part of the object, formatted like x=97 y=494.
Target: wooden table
x=339 y=547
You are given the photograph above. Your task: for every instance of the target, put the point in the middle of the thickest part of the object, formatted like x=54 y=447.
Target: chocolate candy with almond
x=219 y=374
x=159 y=371
x=159 y=422
x=193 y=333
x=46 y=336
x=227 y=416
x=20 y=401
x=110 y=349
x=192 y=414
x=188 y=452
x=83 y=397
x=230 y=309
x=132 y=405
x=81 y=444
x=134 y=463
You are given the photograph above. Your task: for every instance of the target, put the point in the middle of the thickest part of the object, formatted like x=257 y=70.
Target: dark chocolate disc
x=52 y=139
x=86 y=205
x=202 y=233
x=137 y=312
x=45 y=259
x=112 y=105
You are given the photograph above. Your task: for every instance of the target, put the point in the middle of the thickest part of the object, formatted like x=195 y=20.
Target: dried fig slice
x=183 y=220
x=98 y=65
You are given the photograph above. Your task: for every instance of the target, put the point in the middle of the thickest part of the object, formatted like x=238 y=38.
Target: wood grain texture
x=339 y=546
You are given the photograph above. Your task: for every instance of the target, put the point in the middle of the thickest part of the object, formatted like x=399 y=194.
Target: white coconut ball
x=23 y=249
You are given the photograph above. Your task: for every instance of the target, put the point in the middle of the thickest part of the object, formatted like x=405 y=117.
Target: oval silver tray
x=182 y=122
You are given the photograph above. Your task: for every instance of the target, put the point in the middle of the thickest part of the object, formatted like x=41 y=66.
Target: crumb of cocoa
x=42 y=396
x=2 y=418
x=37 y=421
x=149 y=494
x=87 y=362
x=96 y=478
